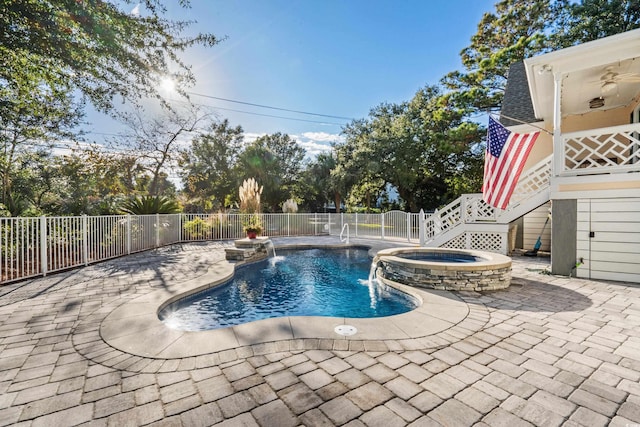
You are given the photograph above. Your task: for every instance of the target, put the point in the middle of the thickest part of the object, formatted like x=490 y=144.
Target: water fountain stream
x=269 y=245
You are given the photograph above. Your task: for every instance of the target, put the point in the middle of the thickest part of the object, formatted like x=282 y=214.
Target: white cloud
x=317 y=142
x=323 y=136
x=313 y=148
x=313 y=143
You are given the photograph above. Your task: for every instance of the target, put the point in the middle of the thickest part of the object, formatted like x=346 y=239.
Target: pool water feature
x=311 y=282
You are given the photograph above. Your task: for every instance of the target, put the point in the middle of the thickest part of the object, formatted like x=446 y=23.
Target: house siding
x=613 y=253
x=532 y=226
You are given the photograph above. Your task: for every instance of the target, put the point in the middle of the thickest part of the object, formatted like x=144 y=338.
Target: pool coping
x=134 y=327
x=485 y=260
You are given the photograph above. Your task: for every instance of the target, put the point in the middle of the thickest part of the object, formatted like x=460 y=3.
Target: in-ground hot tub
x=446 y=269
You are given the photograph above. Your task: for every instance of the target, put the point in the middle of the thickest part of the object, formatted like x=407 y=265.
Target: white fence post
x=157 y=230
x=315 y=224
x=128 y=234
x=288 y=224
x=85 y=240
x=382 y=225
x=408 y=226
x=437 y=223
x=43 y=245
x=341 y=221
x=421 y=227
x=356 y=233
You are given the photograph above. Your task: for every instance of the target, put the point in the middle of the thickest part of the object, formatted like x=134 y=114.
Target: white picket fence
x=31 y=247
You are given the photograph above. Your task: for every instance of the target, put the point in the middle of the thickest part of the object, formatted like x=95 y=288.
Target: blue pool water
x=313 y=282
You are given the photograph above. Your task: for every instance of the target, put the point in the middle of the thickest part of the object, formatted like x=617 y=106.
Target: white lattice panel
x=490 y=242
x=459 y=242
x=614 y=147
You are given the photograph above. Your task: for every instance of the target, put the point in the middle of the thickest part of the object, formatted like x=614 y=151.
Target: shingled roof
x=517 y=98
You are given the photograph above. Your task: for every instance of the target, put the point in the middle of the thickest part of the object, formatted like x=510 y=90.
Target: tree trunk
x=337 y=201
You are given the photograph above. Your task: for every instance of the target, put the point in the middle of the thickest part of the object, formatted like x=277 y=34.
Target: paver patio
x=547 y=351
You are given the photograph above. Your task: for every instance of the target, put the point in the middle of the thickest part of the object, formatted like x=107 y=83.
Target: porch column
x=558 y=149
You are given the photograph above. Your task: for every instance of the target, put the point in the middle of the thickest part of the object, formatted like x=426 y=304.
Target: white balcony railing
x=613 y=149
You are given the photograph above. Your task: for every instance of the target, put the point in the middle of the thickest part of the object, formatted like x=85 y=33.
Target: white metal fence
x=32 y=247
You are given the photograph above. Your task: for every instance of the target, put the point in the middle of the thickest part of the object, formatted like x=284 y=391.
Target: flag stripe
x=502 y=169
x=506 y=179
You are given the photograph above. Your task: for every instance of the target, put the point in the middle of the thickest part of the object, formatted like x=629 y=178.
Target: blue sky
x=335 y=57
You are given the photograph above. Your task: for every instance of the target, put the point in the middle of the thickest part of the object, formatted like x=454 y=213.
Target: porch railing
x=606 y=150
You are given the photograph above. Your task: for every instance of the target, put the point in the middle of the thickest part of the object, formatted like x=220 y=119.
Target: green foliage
x=516 y=30
x=146 y=205
x=276 y=162
x=419 y=147
x=519 y=29
x=96 y=47
x=199 y=228
x=209 y=168
x=252 y=223
x=587 y=20
x=319 y=186
x=52 y=51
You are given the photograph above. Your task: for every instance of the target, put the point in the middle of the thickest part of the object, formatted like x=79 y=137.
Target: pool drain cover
x=345 y=330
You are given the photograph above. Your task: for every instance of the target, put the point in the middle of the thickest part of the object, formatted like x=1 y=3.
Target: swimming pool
x=310 y=282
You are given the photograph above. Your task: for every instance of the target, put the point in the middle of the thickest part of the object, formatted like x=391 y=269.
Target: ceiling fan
x=610 y=79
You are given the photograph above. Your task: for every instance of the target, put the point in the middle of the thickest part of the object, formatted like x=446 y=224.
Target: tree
x=276 y=162
x=594 y=19
x=515 y=31
x=424 y=148
x=519 y=29
x=318 y=187
x=34 y=184
x=208 y=167
x=95 y=47
x=51 y=51
x=31 y=118
x=155 y=140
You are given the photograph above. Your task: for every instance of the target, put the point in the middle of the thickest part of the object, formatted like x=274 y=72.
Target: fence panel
x=142 y=232
x=35 y=246
x=107 y=237
x=169 y=229
x=368 y=225
x=397 y=225
x=20 y=241
x=64 y=243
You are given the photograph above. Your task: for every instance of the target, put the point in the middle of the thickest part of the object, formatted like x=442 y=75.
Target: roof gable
x=516 y=103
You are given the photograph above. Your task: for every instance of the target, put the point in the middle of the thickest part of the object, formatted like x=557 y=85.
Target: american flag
x=504 y=159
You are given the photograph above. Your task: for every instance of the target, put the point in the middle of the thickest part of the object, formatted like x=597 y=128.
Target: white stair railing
x=531 y=182
x=533 y=186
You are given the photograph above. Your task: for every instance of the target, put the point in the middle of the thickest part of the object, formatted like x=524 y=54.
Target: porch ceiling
x=583 y=70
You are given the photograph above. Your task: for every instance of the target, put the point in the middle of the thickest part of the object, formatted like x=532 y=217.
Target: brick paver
x=550 y=351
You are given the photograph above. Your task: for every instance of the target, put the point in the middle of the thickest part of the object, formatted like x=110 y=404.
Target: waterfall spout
x=269 y=245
